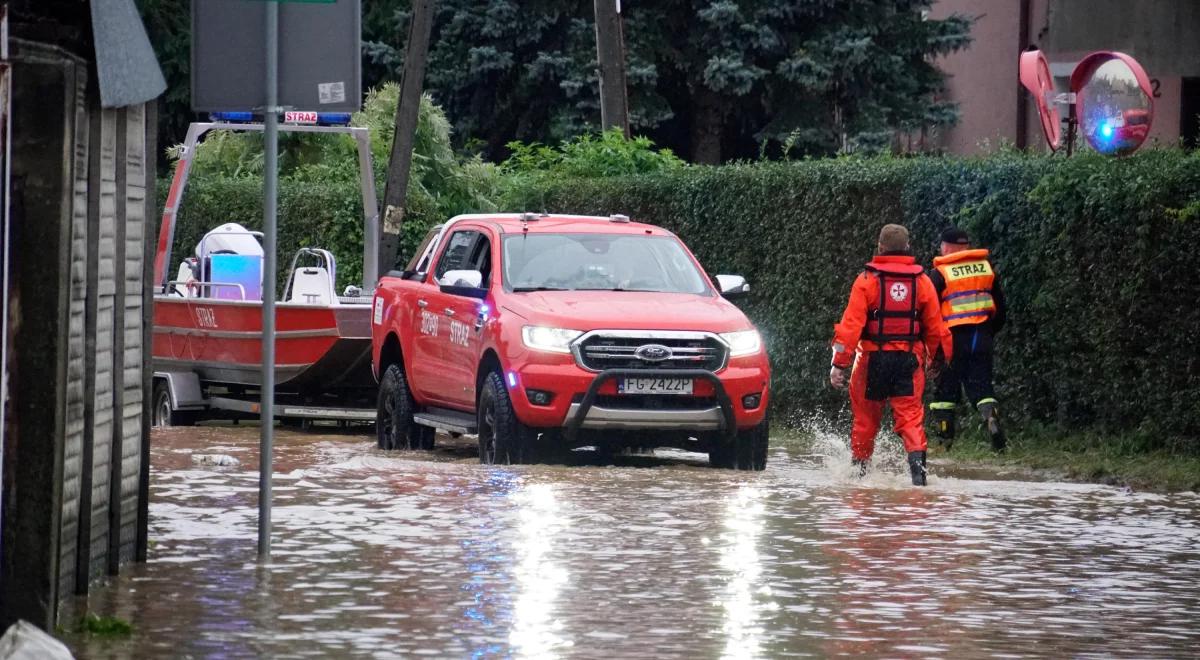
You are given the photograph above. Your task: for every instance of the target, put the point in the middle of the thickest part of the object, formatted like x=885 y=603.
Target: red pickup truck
x=544 y=333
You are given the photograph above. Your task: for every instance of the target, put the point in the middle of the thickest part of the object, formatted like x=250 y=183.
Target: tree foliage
x=440 y=178
x=710 y=78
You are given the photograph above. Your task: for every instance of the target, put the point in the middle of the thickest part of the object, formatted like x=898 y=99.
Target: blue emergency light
x=232 y=117
x=241 y=117
x=333 y=118
x=1106 y=130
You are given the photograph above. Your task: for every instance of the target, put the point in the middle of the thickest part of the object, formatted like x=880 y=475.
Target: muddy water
x=429 y=553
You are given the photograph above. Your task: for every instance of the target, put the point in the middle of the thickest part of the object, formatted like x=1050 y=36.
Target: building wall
x=984 y=78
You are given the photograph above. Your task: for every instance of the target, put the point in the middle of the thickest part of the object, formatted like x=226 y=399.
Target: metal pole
x=270 y=183
x=370 y=212
x=5 y=159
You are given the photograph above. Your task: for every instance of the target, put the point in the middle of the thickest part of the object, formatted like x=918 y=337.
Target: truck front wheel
x=394 y=425
x=503 y=439
x=747 y=451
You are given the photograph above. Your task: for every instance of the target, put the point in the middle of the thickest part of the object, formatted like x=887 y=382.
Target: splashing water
x=830 y=445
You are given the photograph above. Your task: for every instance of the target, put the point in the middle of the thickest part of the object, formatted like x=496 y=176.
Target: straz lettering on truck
x=460 y=333
x=429 y=324
x=206 y=317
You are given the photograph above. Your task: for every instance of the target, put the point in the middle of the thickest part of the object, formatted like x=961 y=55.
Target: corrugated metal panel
x=74 y=404
x=135 y=234
x=135 y=237
x=105 y=282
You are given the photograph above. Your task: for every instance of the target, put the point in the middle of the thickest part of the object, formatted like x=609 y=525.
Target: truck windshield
x=599 y=262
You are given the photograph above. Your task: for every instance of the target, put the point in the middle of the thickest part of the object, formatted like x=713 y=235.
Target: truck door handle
x=449 y=312
x=422 y=304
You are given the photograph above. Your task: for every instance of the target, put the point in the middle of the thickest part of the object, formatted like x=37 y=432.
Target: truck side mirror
x=471 y=278
x=732 y=286
x=466 y=283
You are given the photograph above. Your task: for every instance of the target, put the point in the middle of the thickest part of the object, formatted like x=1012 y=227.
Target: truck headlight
x=552 y=340
x=744 y=342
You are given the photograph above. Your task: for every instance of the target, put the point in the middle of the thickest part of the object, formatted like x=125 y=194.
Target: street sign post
x=239 y=63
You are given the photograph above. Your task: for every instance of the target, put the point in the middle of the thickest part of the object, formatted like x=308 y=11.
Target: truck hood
x=627 y=310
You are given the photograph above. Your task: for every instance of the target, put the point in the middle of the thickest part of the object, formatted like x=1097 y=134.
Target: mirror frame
x=465 y=292
x=1036 y=77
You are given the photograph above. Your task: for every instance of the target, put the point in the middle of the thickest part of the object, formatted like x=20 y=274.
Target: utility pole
x=412 y=82
x=610 y=52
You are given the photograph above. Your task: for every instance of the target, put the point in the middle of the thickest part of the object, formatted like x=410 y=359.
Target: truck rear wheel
x=394 y=425
x=747 y=451
x=503 y=439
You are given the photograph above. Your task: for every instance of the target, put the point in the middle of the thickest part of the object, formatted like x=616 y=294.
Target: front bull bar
x=728 y=422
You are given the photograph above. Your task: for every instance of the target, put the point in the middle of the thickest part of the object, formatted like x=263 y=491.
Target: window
x=458 y=253
x=1189 y=112
x=607 y=262
x=418 y=264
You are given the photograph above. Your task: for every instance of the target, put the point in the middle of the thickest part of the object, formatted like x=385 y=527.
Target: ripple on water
x=417 y=553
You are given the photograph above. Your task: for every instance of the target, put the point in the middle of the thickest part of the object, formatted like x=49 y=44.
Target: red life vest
x=894 y=317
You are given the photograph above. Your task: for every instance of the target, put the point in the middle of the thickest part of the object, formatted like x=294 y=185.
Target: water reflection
x=536 y=631
x=403 y=554
x=746 y=596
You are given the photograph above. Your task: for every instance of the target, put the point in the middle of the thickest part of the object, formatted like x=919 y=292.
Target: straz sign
x=296 y=117
x=970 y=269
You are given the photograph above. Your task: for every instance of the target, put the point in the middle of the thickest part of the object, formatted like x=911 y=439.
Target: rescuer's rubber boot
x=991 y=418
x=858 y=467
x=944 y=424
x=916 y=465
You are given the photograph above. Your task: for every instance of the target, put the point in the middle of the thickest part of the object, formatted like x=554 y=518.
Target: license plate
x=655 y=386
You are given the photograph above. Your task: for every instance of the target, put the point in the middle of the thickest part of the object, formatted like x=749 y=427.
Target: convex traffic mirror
x=1113 y=101
x=1110 y=102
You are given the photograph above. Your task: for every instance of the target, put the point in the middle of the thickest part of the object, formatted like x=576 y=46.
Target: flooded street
x=410 y=553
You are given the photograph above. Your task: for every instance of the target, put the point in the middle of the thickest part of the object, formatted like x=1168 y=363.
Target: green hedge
x=327 y=215
x=1098 y=258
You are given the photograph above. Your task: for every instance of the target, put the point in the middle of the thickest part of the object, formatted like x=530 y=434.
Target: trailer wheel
x=503 y=439
x=163 y=414
x=394 y=426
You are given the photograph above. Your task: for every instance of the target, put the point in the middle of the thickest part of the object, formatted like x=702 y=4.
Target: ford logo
x=653 y=353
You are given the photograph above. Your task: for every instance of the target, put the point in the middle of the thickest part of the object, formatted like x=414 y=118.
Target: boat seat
x=312 y=285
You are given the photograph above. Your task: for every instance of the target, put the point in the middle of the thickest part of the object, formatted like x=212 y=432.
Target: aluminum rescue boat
x=207 y=348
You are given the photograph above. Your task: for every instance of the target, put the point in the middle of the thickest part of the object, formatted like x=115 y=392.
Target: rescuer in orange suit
x=893 y=324
x=973 y=309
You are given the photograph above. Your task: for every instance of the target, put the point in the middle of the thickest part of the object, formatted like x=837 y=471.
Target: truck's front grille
x=599 y=351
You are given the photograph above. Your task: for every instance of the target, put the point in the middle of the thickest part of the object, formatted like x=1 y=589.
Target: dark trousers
x=970 y=368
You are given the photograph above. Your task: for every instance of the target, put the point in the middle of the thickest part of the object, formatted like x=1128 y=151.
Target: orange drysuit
x=895 y=309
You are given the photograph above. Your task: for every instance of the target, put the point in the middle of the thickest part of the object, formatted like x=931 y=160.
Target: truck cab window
x=420 y=260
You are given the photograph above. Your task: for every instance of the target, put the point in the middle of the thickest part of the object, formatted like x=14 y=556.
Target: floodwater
x=399 y=554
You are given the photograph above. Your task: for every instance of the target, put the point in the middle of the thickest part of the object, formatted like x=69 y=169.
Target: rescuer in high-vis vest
x=972 y=305
x=890 y=332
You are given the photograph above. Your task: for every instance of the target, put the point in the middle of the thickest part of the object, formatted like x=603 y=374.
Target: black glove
x=936 y=366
